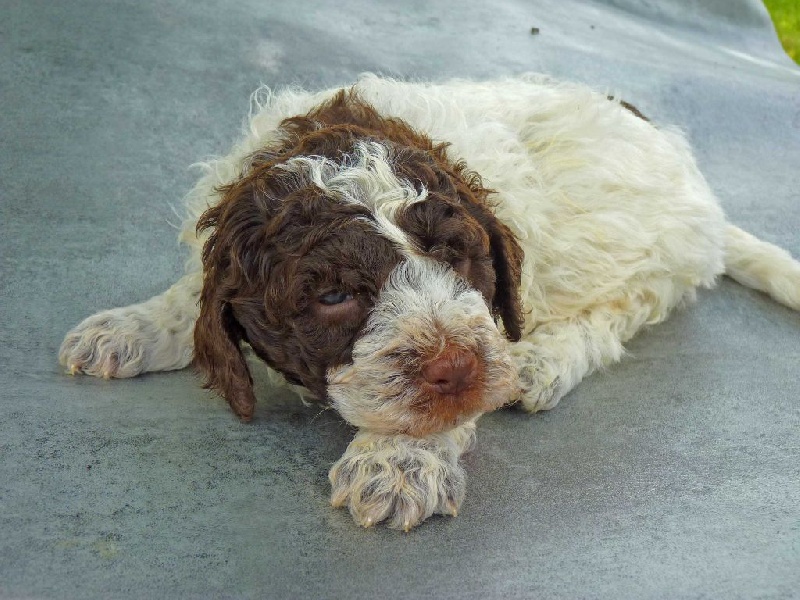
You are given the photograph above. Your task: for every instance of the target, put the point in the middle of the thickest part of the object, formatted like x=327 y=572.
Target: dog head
x=357 y=260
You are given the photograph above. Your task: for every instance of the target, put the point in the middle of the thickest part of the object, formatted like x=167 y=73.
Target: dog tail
x=762 y=266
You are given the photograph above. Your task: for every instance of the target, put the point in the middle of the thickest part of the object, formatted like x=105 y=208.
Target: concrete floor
x=674 y=474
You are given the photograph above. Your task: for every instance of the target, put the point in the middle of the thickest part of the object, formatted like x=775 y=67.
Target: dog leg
x=401 y=479
x=156 y=335
x=558 y=354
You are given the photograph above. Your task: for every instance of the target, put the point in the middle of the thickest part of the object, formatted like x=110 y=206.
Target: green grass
x=786 y=16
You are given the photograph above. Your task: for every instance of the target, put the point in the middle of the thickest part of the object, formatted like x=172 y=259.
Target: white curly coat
x=617 y=224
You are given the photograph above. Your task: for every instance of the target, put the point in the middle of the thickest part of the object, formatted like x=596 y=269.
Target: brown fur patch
x=630 y=107
x=276 y=249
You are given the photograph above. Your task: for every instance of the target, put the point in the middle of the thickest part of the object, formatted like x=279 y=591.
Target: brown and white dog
x=416 y=255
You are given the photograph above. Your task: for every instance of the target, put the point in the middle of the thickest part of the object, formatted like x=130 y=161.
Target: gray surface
x=674 y=474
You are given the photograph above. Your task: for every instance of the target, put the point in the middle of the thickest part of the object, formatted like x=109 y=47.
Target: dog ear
x=217 y=333
x=507 y=256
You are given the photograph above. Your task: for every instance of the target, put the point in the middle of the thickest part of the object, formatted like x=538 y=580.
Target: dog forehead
x=363 y=178
x=355 y=247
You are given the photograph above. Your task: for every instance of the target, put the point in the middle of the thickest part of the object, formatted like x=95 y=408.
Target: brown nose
x=451 y=372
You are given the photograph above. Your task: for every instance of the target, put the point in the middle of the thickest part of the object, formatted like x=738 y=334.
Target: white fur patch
x=364 y=177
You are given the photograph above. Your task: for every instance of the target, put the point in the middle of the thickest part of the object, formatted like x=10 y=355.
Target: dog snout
x=452 y=372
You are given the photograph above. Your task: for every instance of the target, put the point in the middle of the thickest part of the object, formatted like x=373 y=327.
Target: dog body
x=417 y=255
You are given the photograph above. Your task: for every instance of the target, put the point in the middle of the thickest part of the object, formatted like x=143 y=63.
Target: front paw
x=398 y=479
x=108 y=344
x=540 y=383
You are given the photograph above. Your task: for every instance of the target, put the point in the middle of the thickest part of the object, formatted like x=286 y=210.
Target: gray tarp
x=674 y=474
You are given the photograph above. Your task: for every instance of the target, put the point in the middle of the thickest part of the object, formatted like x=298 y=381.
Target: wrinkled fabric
x=672 y=474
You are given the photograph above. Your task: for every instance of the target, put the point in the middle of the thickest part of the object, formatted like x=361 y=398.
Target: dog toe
x=396 y=483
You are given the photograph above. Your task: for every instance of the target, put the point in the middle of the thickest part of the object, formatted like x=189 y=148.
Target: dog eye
x=337 y=307
x=336 y=297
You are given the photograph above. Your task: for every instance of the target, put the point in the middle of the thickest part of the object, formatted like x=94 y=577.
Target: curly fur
x=400 y=479
x=528 y=225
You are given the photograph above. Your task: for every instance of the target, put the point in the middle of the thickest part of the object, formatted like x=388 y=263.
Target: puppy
x=416 y=255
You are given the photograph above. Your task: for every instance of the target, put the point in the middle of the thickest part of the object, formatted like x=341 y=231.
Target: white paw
x=108 y=344
x=540 y=383
x=397 y=479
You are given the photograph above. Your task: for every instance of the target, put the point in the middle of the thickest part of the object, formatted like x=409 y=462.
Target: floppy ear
x=507 y=258
x=217 y=334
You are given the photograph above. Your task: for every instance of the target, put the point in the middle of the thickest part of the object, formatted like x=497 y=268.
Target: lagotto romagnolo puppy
x=416 y=255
